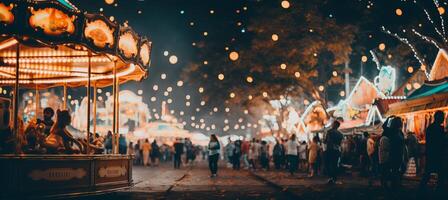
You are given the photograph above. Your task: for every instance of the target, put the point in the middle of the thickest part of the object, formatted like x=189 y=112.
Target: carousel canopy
x=57 y=43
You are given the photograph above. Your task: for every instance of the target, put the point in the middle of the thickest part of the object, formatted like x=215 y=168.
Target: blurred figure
x=123 y=147
x=333 y=153
x=253 y=154
x=236 y=155
x=264 y=155
x=413 y=150
x=229 y=151
x=189 y=151
x=435 y=137
x=146 y=149
x=138 y=153
x=278 y=154
x=155 y=153
x=314 y=149
x=245 y=146
x=303 y=148
x=363 y=154
x=213 y=155
x=178 y=151
x=108 y=142
x=131 y=150
x=292 y=155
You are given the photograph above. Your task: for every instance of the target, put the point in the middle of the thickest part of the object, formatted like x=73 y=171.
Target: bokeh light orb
x=173 y=59
x=441 y=10
x=382 y=46
x=283 y=66
x=140 y=92
x=274 y=37
x=297 y=74
x=180 y=83
x=364 y=59
x=398 y=12
x=109 y=2
x=234 y=56
x=221 y=77
x=155 y=87
x=342 y=93
x=249 y=79
x=285 y=4
x=166 y=53
x=163 y=76
x=232 y=95
x=410 y=69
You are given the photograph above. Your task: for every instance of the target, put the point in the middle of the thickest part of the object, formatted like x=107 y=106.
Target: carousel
x=51 y=43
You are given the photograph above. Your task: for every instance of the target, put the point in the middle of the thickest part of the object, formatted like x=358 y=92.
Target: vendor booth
x=51 y=43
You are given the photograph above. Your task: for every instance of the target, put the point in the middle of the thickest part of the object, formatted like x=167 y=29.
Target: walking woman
x=146 y=149
x=313 y=154
x=213 y=154
x=292 y=153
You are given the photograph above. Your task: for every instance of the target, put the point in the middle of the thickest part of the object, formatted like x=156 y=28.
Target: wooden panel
x=111 y=171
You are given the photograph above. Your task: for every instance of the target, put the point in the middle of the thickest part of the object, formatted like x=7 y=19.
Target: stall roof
x=430 y=88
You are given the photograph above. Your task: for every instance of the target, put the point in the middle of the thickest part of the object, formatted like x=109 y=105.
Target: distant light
x=249 y=79
x=265 y=94
x=441 y=10
x=201 y=90
x=173 y=59
x=202 y=103
x=342 y=93
x=187 y=97
x=398 y=12
x=297 y=74
x=205 y=62
x=155 y=87
x=283 y=66
x=205 y=33
x=212 y=12
x=250 y=97
x=180 y=83
x=169 y=89
x=215 y=109
x=191 y=23
x=221 y=77
x=166 y=53
x=335 y=73
x=382 y=46
x=410 y=69
x=227 y=109
x=306 y=102
x=364 y=59
x=163 y=76
x=285 y=4
x=274 y=37
x=169 y=101
x=246 y=112
x=233 y=56
x=140 y=92
x=232 y=95
x=153 y=99
x=182 y=12
x=110 y=2
x=321 y=88
x=243 y=30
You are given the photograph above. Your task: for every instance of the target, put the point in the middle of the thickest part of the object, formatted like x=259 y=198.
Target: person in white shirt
x=292 y=153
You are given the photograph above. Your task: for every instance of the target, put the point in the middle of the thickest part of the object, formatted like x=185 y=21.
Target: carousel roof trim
x=439 y=71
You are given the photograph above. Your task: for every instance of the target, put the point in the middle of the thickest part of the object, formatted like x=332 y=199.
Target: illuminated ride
x=51 y=43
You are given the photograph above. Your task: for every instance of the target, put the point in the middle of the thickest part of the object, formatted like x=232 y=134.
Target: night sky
x=178 y=27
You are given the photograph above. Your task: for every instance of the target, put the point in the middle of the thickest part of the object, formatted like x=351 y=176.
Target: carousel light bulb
x=408 y=86
x=181 y=113
x=166 y=53
x=169 y=101
x=140 y=92
x=398 y=12
x=441 y=10
x=201 y=89
x=153 y=99
x=215 y=109
x=169 y=89
x=221 y=77
x=283 y=66
x=187 y=104
x=321 y=88
x=163 y=76
x=410 y=69
x=335 y=73
x=233 y=56
x=202 y=103
x=249 y=79
x=187 y=97
x=173 y=59
x=297 y=74
x=342 y=93
x=205 y=62
x=155 y=87
x=274 y=37
x=285 y=4
x=166 y=93
x=227 y=109
x=232 y=95
x=246 y=112
x=416 y=85
x=364 y=59
x=382 y=46
x=205 y=33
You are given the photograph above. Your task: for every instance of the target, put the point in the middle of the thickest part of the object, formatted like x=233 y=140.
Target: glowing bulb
x=297 y=74
x=382 y=46
x=410 y=69
x=321 y=88
x=173 y=59
x=441 y=10
x=274 y=37
x=155 y=87
x=140 y=92
x=398 y=12
x=283 y=66
x=232 y=95
x=285 y=4
x=163 y=76
x=233 y=56
x=205 y=33
x=187 y=97
x=201 y=90
x=249 y=79
x=221 y=77
x=265 y=94
x=335 y=73
x=250 y=97
x=166 y=53
x=306 y=102
x=364 y=59
x=342 y=93
x=180 y=83
x=110 y=2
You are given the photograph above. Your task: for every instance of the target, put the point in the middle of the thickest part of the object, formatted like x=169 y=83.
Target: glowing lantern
x=52 y=21
x=100 y=33
x=221 y=77
x=233 y=56
x=173 y=59
x=127 y=43
x=274 y=37
x=145 y=53
x=398 y=12
x=285 y=4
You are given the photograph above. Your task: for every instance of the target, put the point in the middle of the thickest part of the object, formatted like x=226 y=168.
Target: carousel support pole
x=94 y=109
x=37 y=102
x=114 y=120
x=64 y=104
x=16 y=101
x=89 y=73
x=117 y=88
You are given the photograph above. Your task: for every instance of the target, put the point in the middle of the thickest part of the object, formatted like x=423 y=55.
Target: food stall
x=51 y=43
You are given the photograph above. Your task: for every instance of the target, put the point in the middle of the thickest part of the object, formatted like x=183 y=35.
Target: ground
x=193 y=182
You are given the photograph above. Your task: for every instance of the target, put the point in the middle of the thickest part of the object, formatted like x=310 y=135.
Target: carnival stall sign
x=420 y=105
x=51 y=43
